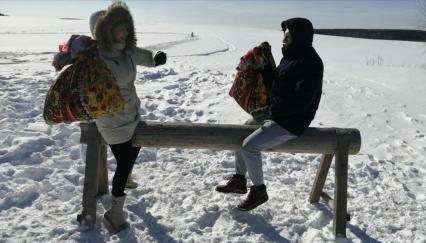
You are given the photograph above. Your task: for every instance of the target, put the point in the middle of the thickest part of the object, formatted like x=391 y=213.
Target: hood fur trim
x=117 y=13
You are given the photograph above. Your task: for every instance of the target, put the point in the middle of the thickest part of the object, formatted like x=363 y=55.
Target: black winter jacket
x=296 y=87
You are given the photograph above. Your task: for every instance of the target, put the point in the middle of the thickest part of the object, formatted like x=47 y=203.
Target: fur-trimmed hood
x=102 y=23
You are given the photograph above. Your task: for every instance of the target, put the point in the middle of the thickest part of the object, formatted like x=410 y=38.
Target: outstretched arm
x=143 y=57
x=147 y=58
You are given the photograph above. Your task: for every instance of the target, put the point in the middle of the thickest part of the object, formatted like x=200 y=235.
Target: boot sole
x=253 y=206
x=227 y=192
x=113 y=229
x=131 y=186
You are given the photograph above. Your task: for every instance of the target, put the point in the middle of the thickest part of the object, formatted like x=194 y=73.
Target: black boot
x=256 y=197
x=237 y=184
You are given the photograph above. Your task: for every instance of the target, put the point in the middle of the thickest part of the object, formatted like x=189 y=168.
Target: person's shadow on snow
x=87 y=234
x=258 y=224
x=127 y=235
x=156 y=230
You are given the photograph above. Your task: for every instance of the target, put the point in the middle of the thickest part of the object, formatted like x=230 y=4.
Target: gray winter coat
x=122 y=60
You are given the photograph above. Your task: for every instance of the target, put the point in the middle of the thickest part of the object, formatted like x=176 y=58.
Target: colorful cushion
x=85 y=90
x=249 y=89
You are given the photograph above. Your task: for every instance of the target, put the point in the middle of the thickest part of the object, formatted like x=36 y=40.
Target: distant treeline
x=381 y=34
x=71 y=18
x=2 y=14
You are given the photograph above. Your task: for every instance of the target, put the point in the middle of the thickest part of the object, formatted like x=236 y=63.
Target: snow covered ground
x=373 y=85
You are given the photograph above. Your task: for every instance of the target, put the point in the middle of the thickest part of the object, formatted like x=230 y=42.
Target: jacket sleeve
x=304 y=95
x=268 y=74
x=143 y=57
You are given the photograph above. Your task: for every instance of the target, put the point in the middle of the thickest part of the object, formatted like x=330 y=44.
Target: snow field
x=42 y=167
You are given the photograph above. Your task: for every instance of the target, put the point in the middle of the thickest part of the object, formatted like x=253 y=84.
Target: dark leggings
x=125 y=155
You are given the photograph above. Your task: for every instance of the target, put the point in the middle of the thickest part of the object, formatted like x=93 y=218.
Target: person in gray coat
x=114 y=31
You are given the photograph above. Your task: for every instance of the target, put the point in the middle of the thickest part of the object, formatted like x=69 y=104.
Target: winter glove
x=268 y=72
x=251 y=121
x=160 y=58
x=261 y=114
x=265 y=45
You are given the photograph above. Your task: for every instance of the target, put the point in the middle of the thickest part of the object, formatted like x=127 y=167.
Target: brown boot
x=256 y=197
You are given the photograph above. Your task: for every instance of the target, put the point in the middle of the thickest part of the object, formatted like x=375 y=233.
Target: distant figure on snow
x=114 y=32
x=294 y=95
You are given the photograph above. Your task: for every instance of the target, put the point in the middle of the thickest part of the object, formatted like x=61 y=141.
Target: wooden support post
x=330 y=203
x=320 y=177
x=103 y=171
x=341 y=183
x=328 y=200
x=95 y=157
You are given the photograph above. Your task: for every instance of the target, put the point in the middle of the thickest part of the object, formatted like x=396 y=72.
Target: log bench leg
x=341 y=184
x=95 y=176
x=320 y=177
x=103 y=171
x=339 y=203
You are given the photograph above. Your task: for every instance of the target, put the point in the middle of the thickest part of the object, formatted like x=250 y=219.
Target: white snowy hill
x=375 y=86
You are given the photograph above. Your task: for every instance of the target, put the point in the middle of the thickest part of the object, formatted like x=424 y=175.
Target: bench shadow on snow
x=361 y=234
x=353 y=228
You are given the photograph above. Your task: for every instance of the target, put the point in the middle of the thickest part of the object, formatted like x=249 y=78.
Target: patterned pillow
x=249 y=88
x=85 y=90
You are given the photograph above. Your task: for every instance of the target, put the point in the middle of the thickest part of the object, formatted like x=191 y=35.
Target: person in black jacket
x=294 y=90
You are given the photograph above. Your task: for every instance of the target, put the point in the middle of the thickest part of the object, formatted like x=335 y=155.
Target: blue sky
x=263 y=14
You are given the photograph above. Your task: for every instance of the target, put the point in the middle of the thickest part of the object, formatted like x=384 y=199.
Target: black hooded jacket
x=296 y=87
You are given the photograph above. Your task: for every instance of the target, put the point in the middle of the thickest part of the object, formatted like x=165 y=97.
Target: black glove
x=261 y=114
x=268 y=72
x=265 y=45
x=160 y=58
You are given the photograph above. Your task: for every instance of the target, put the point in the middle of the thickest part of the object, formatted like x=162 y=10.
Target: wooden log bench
x=329 y=142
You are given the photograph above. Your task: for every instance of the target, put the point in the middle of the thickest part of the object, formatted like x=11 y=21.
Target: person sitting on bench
x=294 y=95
